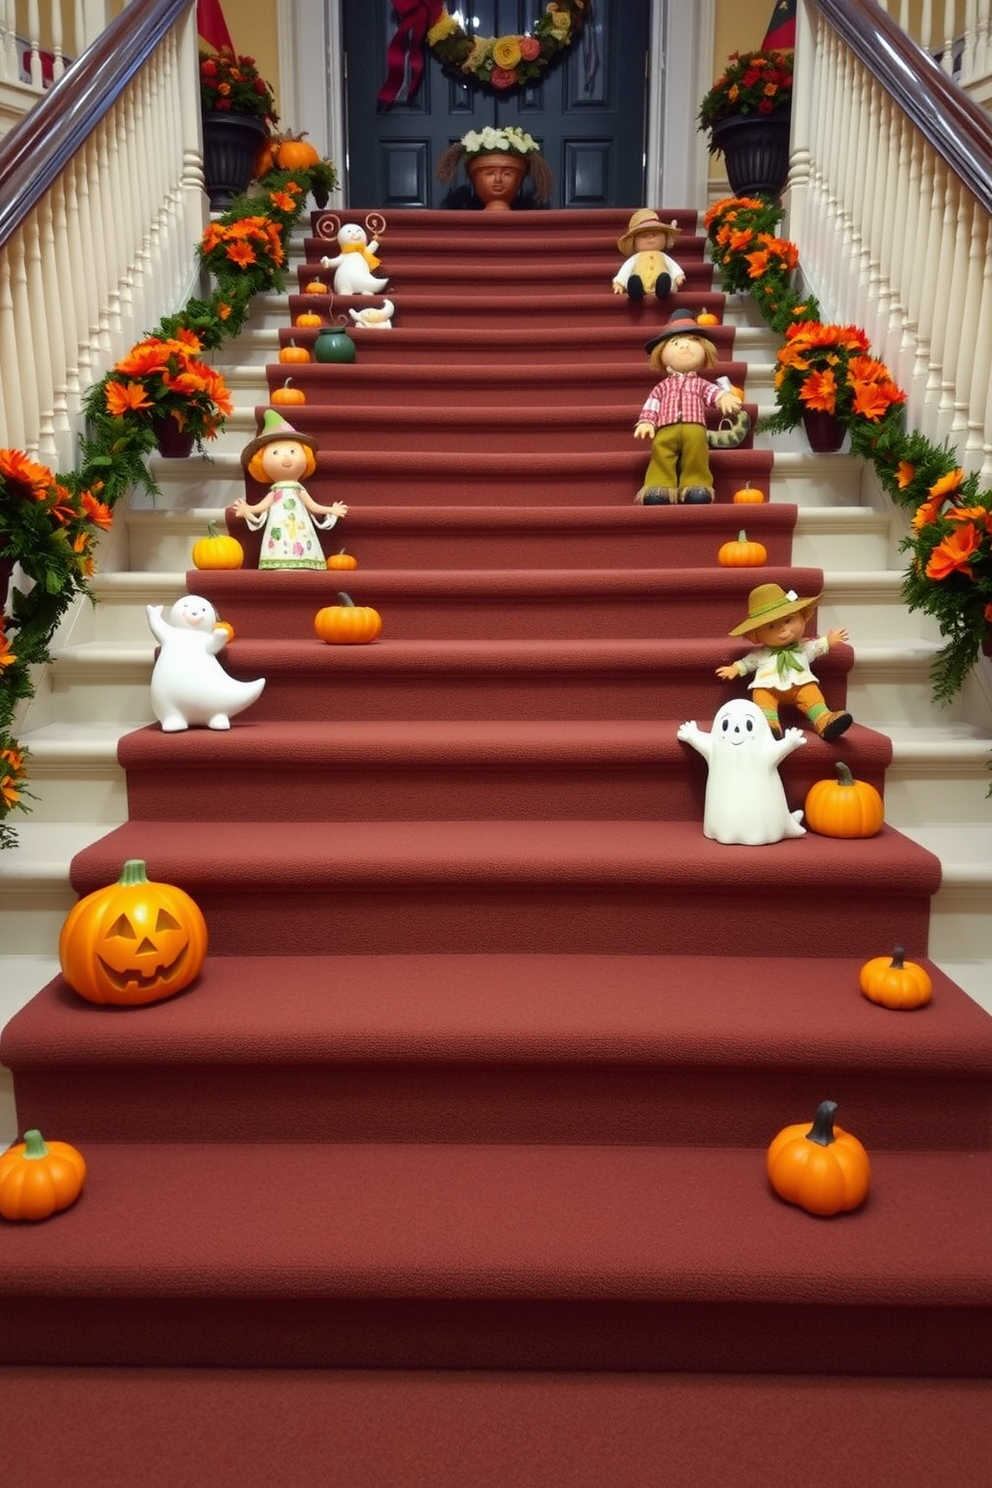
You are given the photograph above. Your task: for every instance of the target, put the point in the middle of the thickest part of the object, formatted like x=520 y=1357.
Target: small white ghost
x=354 y=264
x=189 y=685
x=745 y=800
x=376 y=317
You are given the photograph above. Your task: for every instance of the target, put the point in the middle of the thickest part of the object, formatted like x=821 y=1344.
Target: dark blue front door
x=586 y=111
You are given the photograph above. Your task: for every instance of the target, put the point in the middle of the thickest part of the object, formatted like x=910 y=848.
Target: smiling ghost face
x=740 y=724
x=193 y=613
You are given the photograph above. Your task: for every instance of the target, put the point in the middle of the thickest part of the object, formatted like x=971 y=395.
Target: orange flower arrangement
x=829 y=368
x=48 y=528
x=165 y=376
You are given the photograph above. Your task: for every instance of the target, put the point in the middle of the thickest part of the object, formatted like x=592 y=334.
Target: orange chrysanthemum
x=126 y=398
x=948 y=484
x=905 y=475
x=819 y=391
x=953 y=555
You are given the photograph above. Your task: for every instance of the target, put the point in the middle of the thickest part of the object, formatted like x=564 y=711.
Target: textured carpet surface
x=479 y=1074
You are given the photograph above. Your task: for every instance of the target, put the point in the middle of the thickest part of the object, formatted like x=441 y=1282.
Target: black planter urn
x=230 y=144
x=755 y=148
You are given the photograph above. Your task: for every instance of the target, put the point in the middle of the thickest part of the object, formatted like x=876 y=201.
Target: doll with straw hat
x=647 y=268
x=780 y=662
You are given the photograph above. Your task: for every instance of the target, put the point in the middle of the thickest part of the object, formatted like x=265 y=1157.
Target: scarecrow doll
x=674 y=416
x=780 y=662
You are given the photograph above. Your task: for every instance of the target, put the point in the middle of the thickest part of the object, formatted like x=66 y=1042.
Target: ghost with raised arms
x=189 y=685
x=745 y=799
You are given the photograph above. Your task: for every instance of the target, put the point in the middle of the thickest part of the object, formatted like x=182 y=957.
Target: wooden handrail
x=39 y=147
x=949 y=120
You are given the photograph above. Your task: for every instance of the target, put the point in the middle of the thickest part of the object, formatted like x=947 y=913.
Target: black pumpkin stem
x=898 y=956
x=822 y=1130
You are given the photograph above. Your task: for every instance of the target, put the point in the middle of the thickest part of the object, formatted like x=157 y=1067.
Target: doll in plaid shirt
x=674 y=416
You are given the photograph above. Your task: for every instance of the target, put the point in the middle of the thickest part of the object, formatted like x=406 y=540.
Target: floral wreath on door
x=499 y=63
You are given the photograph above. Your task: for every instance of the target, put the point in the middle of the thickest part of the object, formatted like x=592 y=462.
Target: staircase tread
x=589 y=1011
x=367 y=1428
x=474 y=854
x=288 y=1218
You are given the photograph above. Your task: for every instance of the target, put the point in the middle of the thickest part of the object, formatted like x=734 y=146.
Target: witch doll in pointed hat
x=780 y=663
x=674 y=416
x=282 y=459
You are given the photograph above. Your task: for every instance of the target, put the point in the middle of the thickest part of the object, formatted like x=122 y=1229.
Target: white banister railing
x=104 y=253
x=893 y=239
x=956 y=34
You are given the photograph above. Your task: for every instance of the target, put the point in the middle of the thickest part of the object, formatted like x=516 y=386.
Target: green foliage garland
x=949 y=546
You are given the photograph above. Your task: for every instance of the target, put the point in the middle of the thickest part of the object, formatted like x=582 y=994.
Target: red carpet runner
x=455 y=1150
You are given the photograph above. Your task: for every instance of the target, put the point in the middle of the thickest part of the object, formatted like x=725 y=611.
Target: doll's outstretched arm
x=253 y=515
x=729 y=403
x=644 y=430
x=834 y=636
x=728 y=673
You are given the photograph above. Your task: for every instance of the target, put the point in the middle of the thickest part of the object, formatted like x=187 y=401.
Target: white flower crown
x=510 y=141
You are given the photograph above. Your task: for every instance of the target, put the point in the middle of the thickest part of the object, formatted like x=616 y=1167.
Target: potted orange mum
x=826 y=378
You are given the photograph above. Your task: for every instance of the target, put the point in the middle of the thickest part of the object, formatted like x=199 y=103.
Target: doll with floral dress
x=674 y=415
x=780 y=663
x=282 y=458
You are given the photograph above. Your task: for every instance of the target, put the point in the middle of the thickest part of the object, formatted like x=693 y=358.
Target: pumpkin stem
x=898 y=956
x=844 y=774
x=133 y=872
x=346 y=599
x=822 y=1130
x=212 y=529
x=742 y=536
x=34 y=1145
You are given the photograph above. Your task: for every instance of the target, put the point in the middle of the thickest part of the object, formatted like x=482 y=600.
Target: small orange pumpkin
x=217 y=550
x=38 y=1178
x=748 y=494
x=741 y=553
x=342 y=560
x=295 y=152
x=316 y=286
x=133 y=942
x=288 y=394
x=894 y=982
x=707 y=318
x=822 y=1168
x=347 y=624
x=294 y=353
x=844 y=807
x=308 y=318
x=226 y=627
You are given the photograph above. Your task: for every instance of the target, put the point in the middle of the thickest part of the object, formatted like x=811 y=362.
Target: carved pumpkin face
x=133 y=942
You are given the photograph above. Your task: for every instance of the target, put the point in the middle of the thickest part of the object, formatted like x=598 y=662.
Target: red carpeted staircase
x=450 y=1167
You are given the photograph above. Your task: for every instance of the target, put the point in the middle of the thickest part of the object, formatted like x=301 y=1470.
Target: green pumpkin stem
x=346 y=600
x=742 y=536
x=212 y=529
x=822 y=1130
x=133 y=872
x=34 y=1145
x=844 y=774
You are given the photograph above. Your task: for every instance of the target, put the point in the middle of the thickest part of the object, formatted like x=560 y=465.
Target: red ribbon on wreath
x=416 y=18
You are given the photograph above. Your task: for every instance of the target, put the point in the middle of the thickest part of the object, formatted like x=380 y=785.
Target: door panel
x=586 y=111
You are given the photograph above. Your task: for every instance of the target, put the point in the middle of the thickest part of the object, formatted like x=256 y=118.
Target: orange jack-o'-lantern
x=133 y=942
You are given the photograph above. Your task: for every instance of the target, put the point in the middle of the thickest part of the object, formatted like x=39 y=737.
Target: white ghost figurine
x=375 y=318
x=189 y=685
x=745 y=800
x=353 y=265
